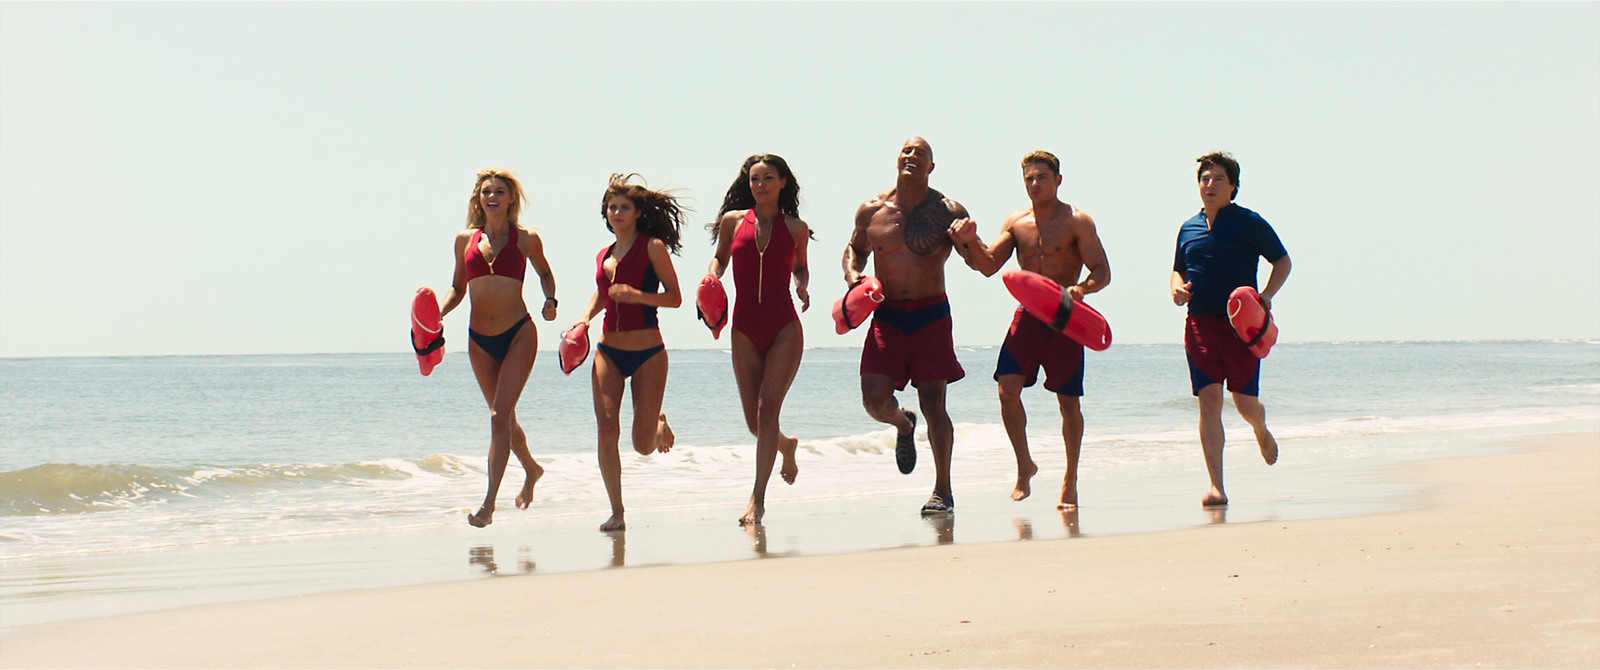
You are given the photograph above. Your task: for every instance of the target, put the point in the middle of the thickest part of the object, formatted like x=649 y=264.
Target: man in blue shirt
x=1217 y=252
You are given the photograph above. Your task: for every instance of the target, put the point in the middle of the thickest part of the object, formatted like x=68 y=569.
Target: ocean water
x=130 y=484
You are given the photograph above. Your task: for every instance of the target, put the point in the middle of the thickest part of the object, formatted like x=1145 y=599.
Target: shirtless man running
x=1056 y=240
x=906 y=232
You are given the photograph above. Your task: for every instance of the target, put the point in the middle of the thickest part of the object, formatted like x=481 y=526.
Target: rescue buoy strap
x=432 y=346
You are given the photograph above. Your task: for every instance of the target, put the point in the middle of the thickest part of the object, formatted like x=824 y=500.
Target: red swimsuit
x=508 y=263
x=763 y=306
x=633 y=269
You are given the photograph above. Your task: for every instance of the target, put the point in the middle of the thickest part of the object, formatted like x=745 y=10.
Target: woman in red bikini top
x=760 y=231
x=633 y=277
x=491 y=260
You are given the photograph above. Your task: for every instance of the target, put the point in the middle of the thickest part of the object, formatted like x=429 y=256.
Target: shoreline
x=1496 y=561
x=1326 y=479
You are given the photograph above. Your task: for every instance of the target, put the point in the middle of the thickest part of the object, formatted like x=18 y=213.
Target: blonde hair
x=475 y=214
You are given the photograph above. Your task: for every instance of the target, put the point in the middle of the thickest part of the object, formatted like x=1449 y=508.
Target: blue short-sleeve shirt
x=1224 y=256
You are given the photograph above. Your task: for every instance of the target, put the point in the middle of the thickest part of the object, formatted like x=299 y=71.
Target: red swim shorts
x=1032 y=344
x=912 y=340
x=1216 y=355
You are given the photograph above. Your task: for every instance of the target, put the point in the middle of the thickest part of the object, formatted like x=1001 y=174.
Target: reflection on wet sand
x=1070 y=521
x=619 y=547
x=944 y=527
x=484 y=556
x=1024 y=528
x=758 y=538
x=559 y=553
x=1218 y=513
x=758 y=542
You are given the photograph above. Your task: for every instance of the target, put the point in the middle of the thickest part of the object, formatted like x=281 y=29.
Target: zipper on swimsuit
x=487 y=260
x=761 y=257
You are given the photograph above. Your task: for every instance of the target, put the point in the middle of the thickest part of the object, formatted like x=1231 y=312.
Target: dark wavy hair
x=740 y=197
x=660 y=215
x=1224 y=160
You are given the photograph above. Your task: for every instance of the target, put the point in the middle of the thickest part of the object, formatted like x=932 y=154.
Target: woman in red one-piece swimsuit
x=759 y=229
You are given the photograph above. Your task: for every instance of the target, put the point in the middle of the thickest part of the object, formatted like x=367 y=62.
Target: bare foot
x=483 y=517
x=752 y=514
x=790 y=468
x=1269 y=445
x=525 y=497
x=1214 y=498
x=665 y=438
x=1069 y=496
x=1025 y=475
x=613 y=523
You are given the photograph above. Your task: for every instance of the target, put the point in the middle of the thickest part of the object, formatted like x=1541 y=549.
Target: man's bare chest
x=923 y=229
x=1051 y=239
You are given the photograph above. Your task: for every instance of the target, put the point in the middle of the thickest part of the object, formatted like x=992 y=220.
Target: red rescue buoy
x=427 y=330
x=857 y=304
x=1252 y=321
x=1048 y=302
x=574 y=347
x=711 y=304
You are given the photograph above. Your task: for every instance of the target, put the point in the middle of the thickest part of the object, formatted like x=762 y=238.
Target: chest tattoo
x=927 y=225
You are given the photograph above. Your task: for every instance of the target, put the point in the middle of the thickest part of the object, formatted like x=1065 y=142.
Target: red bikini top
x=508 y=263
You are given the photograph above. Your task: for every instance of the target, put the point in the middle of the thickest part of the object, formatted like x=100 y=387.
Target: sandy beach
x=1496 y=563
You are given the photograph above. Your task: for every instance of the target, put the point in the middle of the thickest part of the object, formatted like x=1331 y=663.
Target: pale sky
x=221 y=178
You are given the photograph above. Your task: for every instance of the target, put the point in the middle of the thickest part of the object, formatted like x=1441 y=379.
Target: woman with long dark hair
x=634 y=277
x=760 y=232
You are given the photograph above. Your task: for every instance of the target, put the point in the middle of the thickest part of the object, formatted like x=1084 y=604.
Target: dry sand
x=1498 y=565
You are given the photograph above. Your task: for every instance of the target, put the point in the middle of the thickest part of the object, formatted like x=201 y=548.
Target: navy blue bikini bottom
x=628 y=361
x=497 y=345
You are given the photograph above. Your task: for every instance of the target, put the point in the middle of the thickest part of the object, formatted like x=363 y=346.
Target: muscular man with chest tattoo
x=906 y=232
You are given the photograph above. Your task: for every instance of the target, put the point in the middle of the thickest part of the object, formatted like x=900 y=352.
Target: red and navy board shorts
x=1031 y=344
x=912 y=340
x=1217 y=355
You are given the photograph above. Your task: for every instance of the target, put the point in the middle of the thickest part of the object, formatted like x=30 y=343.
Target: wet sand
x=673 y=524
x=1496 y=564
